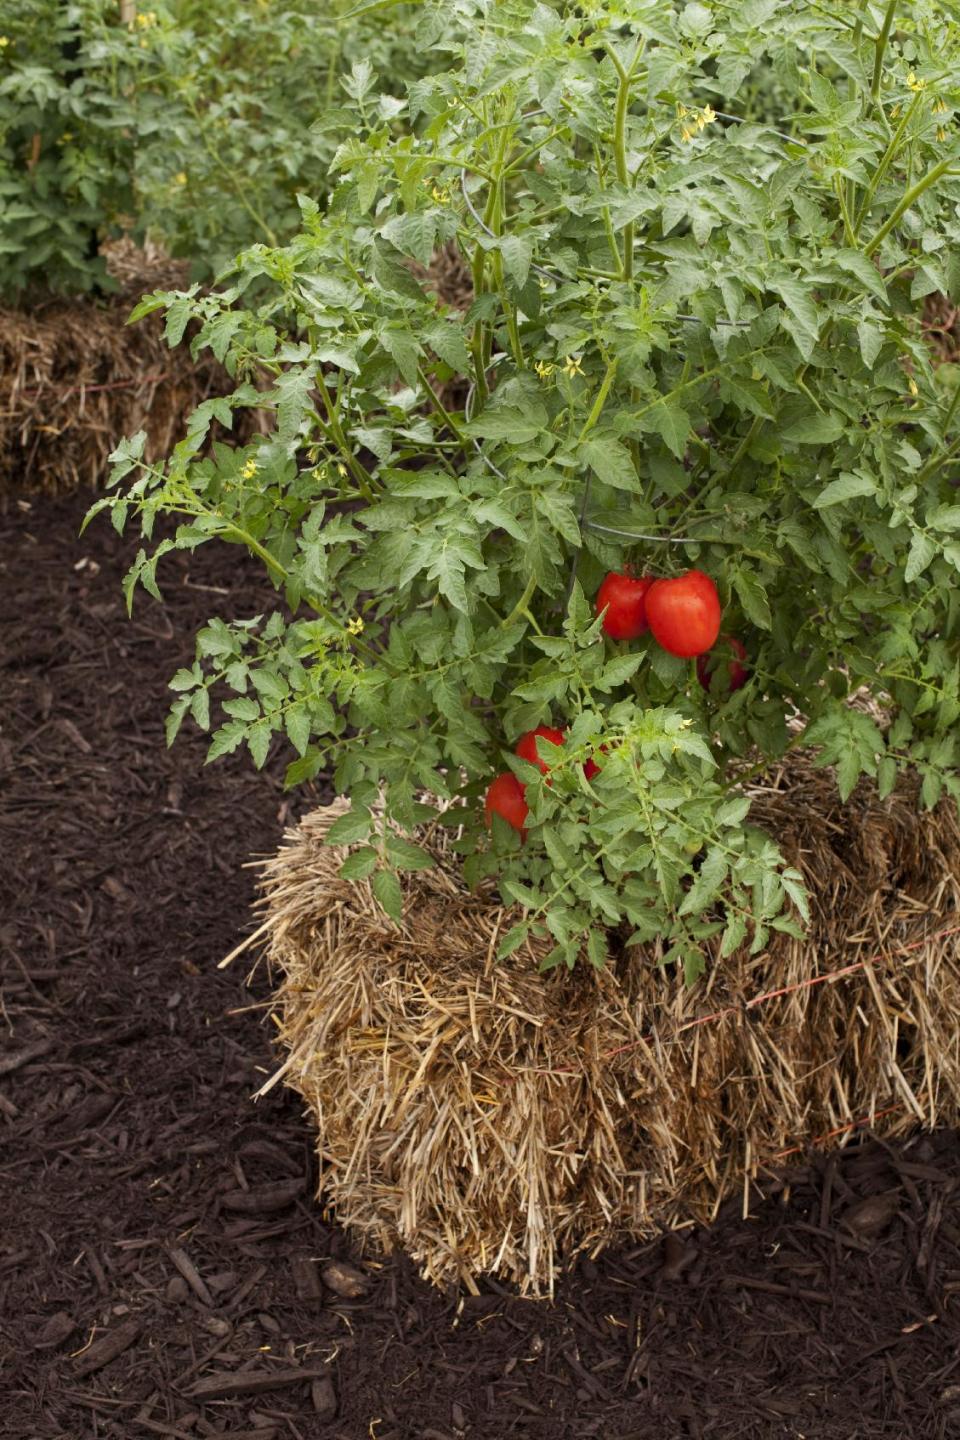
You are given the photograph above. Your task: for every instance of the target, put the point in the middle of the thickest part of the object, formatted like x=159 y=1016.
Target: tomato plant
x=693 y=345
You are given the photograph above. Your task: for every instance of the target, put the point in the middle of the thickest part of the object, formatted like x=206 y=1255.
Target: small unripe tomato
x=505 y=797
x=684 y=614
x=737 y=672
x=623 y=597
x=527 y=745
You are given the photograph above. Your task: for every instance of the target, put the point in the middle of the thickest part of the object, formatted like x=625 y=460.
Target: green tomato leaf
x=513 y=939
x=360 y=863
x=350 y=828
x=386 y=888
x=815 y=429
x=200 y=708
x=297 y=724
x=922 y=551
x=175 y=717
x=610 y=462
x=945 y=517
x=225 y=740
x=517 y=254
x=407 y=856
x=258 y=743
x=845 y=487
x=413 y=235
x=753 y=598
x=672 y=424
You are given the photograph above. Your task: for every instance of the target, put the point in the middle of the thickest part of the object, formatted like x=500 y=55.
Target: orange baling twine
x=751 y=1004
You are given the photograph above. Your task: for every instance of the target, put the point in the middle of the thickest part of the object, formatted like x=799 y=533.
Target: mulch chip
x=164 y=1269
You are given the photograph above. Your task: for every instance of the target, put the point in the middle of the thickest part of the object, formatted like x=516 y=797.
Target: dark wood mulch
x=164 y=1268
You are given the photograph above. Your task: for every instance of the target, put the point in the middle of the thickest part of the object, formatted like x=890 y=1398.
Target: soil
x=164 y=1267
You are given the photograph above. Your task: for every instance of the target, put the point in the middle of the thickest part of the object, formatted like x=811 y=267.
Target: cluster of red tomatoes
x=682 y=615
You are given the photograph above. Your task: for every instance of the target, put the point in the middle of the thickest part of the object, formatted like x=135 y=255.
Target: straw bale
x=75 y=378
x=490 y=1118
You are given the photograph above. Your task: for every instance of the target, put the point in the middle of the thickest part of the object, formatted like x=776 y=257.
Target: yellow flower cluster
x=543 y=369
x=914 y=84
x=146 y=19
x=250 y=469
x=442 y=197
x=355 y=626
x=694 y=121
x=180 y=178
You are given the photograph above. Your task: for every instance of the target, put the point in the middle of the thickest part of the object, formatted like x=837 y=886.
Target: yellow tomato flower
x=939 y=106
x=686 y=134
x=180 y=178
x=707 y=116
x=912 y=387
x=341 y=470
x=543 y=369
x=941 y=134
x=895 y=112
x=914 y=84
x=250 y=469
x=355 y=626
x=442 y=197
x=572 y=366
x=5 y=41
x=681 y=111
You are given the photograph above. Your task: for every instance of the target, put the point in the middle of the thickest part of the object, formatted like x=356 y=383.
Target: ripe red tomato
x=505 y=797
x=684 y=614
x=527 y=746
x=624 y=599
x=737 y=671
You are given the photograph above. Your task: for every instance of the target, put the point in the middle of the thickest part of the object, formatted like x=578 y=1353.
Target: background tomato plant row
x=692 y=343
x=196 y=123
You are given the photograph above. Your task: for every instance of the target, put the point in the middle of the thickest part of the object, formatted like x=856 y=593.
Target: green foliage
x=693 y=341
x=199 y=124
x=66 y=155
x=235 y=112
